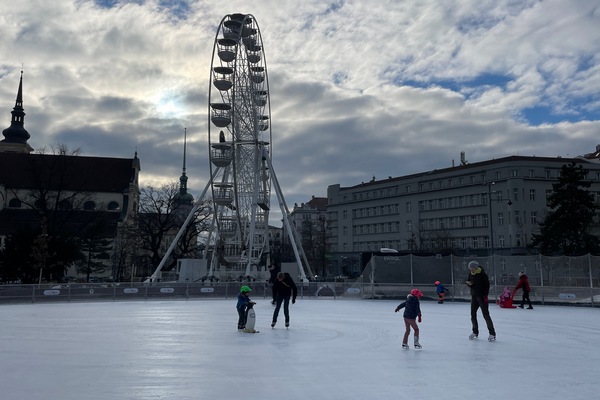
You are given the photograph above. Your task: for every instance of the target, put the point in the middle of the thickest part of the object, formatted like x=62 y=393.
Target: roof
x=320 y=203
x=466 y=167
x=97 y=174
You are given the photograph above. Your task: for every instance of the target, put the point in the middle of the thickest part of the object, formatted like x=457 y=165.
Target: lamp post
x=491 y=218
x=489 y=193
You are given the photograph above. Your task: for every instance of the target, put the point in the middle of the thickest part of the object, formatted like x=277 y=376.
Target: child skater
x=243 y=301
x=441 y=291
x=412 y=311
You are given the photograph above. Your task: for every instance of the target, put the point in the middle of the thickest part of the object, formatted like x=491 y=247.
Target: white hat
x=473 y=264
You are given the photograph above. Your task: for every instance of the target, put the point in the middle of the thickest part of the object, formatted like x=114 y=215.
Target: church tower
x=16 y=136
x=184 y=201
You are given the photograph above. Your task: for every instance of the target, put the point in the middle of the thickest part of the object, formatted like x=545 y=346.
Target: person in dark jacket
x=243 y=302
x=284 y=288
x=273 y=270
x=524 y=285
x=479 y=284
x=412 y=312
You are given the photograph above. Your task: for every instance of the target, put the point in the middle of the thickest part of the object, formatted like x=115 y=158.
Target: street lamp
x=491 y=219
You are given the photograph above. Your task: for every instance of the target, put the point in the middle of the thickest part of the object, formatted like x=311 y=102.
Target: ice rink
x=334 y=350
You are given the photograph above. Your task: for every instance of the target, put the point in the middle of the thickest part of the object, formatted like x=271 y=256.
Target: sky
x=358 y=89
x=334 y=349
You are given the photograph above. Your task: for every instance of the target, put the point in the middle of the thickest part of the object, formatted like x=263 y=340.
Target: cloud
x=357 y=89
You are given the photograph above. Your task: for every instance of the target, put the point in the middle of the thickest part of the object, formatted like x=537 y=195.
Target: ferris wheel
x=239 y=144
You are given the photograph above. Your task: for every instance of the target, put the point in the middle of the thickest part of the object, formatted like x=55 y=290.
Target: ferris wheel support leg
x=293 y=235
x=197 y=205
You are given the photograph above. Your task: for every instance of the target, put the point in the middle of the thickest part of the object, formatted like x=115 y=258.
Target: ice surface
x=334 y=349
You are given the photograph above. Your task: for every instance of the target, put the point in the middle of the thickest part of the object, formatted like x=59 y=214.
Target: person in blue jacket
x=243 y=301
x=441 y=291
x=412 y=312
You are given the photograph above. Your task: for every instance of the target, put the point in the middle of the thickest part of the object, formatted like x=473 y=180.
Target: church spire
x=183 y=196
x=16 y=136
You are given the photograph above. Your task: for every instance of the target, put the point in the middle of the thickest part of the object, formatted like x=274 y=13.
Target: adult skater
x=523 y=284
x=480 y=287
x=284 y=288
x=273 y=270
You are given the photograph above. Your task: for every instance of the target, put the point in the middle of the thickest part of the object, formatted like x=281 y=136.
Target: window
x=65 y=205
x=531 y=173
x=533 y=217
x=474 y=220
x=408 y=206
x=345 y=214
x=498 y=175
x=89 y=206
x=345 y=231
x=463 y=222
x=409 y=226
x=532 y=194
x=501 y=240
x=515 y=194
x=517 y=217
x=14 y=203
x=500 y=218
x=113 y=206
x=548 y=174
x=514 y=173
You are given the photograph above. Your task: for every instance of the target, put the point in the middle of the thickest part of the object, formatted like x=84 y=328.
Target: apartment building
x=469 y=208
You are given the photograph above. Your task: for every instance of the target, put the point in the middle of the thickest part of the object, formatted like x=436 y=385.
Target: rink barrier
x=81 y=292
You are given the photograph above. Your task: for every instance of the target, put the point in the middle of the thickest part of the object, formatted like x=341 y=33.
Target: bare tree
x=160 y=217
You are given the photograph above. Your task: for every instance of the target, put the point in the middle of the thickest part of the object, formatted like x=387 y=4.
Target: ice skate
x=287 y=324
x=492 y=338
x=473 y=336
x=530 y=308
x=405 y=346
x=417 y=344
x=273 y=324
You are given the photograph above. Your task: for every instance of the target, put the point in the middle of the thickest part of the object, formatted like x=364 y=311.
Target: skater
x=284 y=288
x=412 y=312
x=243 y=302
x=524 y=285
x=441 y=291
x=273 y=270
x=505 y=300
x=480 y=287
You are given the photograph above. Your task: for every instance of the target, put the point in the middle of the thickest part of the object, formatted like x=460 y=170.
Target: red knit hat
x=417 y=293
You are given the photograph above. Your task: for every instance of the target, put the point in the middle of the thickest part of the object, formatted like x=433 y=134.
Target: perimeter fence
x=553 y=280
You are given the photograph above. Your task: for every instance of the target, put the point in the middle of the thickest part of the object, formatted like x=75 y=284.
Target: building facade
x=40 y=192
x=482 y=208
